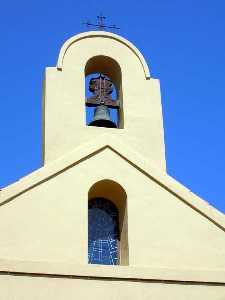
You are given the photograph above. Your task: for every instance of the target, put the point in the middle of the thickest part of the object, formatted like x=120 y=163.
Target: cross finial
x=101 y=25
x=101 y=19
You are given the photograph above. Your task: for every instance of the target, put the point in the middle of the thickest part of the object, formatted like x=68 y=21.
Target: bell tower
x=116 y=65
x=101 y=219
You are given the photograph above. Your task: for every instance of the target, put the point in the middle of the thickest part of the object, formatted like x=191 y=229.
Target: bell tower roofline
x=107 y=35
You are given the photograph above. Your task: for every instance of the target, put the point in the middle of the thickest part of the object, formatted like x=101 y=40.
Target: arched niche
x=109 y=67
x=114 y=192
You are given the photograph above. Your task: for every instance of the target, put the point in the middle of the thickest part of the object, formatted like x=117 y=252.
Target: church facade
x=102 y=219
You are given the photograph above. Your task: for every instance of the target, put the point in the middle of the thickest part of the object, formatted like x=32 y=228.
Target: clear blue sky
x=184 y=45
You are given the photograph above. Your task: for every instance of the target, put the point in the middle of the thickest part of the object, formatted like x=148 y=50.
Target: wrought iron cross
x=100 y=24
x=102 y=89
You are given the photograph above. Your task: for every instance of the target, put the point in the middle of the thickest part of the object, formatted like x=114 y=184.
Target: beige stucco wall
x=64 y=99
x=42 y=288
x=49 y=222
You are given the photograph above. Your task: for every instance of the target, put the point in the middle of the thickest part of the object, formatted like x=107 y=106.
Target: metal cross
x=101 y=20
x=101 y=25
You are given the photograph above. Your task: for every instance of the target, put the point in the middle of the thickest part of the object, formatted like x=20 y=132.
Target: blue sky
x=184 y=45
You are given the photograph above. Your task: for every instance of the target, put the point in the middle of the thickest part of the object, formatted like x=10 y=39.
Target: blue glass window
x=103 y=232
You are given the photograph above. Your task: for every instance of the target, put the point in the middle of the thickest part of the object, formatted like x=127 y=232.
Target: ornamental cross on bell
x=102 y=89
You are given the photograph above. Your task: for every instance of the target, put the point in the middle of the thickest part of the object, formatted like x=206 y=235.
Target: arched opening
x=107 y=224
x=103 y=92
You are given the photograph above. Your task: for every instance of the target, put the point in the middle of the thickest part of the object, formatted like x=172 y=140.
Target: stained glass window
x=103 y=232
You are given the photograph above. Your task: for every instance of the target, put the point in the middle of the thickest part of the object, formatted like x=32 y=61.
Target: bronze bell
x=102 y=117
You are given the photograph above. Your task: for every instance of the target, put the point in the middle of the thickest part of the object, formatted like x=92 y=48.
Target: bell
x=102 y=117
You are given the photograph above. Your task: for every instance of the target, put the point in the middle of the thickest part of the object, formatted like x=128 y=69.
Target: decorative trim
x=130 y=273
x=136 y=160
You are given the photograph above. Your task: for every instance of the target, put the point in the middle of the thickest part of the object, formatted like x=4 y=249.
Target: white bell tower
x=102 y=219
x=141 y=123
